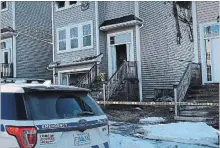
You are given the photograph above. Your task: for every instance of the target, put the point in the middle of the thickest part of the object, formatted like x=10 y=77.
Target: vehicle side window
x=12 y=107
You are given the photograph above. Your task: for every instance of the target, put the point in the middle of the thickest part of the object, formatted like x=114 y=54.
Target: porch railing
x=86 y=80
x=181 y=89
x=128 y=70
x=6 y=70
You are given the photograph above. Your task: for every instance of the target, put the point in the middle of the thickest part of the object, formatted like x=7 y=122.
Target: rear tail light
x=26 y=136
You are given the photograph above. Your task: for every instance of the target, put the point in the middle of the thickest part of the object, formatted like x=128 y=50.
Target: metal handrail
x=182 y=87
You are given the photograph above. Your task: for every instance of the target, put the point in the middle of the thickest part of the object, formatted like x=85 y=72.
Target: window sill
x=3 y=10
x=73 y=50
x=64 y=8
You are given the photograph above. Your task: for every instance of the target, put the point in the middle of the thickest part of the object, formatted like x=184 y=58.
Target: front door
x=216 y=59
x=120 y=48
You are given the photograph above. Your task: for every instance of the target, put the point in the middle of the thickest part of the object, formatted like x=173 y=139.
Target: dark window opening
x=3 y=5
x=112 y=40
x=6 y=57
x=73 y=2
x=60 y=4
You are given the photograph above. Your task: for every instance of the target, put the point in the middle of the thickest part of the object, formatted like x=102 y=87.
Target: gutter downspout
x=195 y=34
x=14 y=42
x=138 y=50
x=97 y=27
x=53 y=40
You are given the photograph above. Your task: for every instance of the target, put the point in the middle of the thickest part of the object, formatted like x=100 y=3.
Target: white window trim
x=80 y=38
x=202 y=47
x=67 y=6
x=69 y=40
x=57 y=34
x=2 y=10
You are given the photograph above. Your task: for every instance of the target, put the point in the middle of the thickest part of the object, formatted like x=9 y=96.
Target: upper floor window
x=66 y=4
x=3 y=5
x=62 y=40
x=75 y=37
x=211 y=31
x=3 y=45
x=87 y=36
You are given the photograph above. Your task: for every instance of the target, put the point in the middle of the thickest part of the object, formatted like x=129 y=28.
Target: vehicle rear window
x=59 y=105
x=13 y=107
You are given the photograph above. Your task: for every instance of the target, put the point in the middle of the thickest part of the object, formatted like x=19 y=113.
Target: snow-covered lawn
x=119 y=141
x=184 y=132
x=181 y=135
x=151 y=120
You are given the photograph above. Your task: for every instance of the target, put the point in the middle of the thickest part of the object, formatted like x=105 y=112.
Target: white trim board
x=203 y=52
x=195 y=34
x=138 y=51
x=97 y=26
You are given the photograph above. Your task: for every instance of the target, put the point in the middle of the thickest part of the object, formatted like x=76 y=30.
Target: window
x=211 y=31
x=87 y=36
x=3 y=5
x=73 y=2
x=61 y=105
x=62 y=40
x=3 y=45
x=60 y=5
x=75 y=37
x=13 y=107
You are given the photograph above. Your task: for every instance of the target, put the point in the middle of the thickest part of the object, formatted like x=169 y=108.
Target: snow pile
x=119 y=141
x=152 y=120
x=184 y=132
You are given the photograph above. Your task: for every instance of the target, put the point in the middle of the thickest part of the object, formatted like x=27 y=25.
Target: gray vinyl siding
x=33 y=19
x=6 y=16
x=206 y=12
x=111 y=10
x=73 y=16
x=160 y=55
x=116 y=9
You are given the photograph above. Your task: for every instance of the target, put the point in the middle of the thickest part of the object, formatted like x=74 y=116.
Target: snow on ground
x=184 y=132
x=119 y=141
x=152 y=120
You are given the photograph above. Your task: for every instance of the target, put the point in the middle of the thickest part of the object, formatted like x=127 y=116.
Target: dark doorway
x=121 y=54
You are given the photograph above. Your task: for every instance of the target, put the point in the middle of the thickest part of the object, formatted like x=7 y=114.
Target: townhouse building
x=26 y=39
x=141 y=47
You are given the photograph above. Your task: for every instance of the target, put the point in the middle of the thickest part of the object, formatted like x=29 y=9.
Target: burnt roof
x=7 y=29
x=123 y=19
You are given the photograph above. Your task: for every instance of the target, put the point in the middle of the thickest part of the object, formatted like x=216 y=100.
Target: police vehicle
x=41 y=115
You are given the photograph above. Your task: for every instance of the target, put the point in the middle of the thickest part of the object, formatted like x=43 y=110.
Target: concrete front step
x=188 y=108
x=194 y=113
x=202 y=100
x=204 y=96
x=192 y=119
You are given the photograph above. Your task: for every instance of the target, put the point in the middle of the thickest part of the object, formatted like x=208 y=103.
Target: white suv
x=50 y=116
